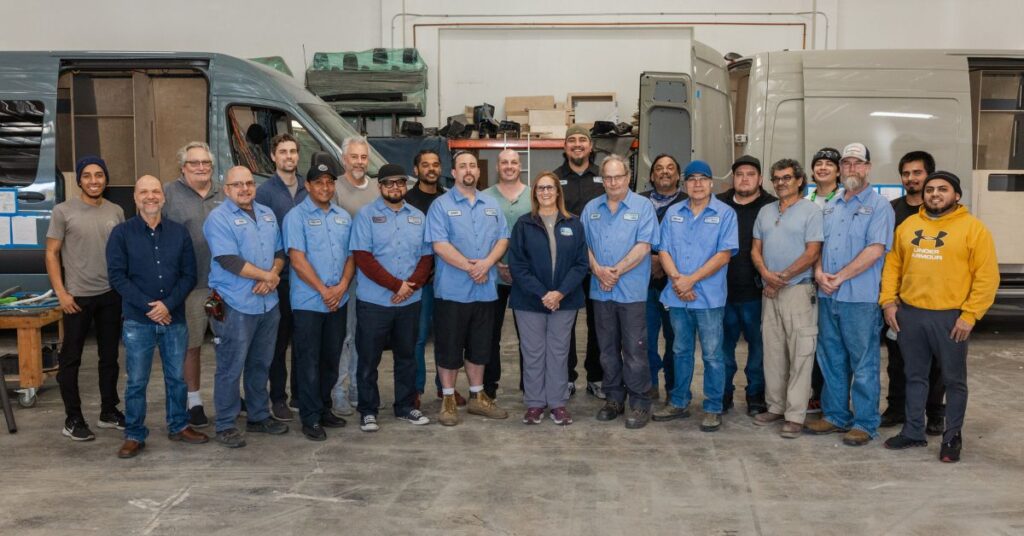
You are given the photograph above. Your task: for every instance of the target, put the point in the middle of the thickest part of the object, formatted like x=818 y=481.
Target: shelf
x=512 y=143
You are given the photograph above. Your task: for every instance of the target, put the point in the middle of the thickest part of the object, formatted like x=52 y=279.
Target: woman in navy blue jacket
x=547 y=260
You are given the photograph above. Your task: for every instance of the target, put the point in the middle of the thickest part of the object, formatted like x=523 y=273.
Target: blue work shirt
x=229 y=230
x=275 y=194
x=323 y=236
x=850 y=226
x=692 y=239
x=395 y=239
x=146 y=265
x=473 y=229
x=611 y=236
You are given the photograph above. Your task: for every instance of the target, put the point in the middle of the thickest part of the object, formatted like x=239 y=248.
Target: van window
x=21 y=128
x=999 y=141
x=251 y=128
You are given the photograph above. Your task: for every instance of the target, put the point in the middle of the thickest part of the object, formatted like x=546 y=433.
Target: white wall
x=272 y=27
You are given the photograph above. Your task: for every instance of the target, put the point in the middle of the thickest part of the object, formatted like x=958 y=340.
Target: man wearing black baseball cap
x=743 y=305
x=825 y=172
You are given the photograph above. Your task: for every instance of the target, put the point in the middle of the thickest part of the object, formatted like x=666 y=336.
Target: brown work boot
x=189 y=436
x=483 y=405
x=821 y=426
x=131 y=448
x=790 y=429
x=856 y=438
x=449 y=415
x=766 y=418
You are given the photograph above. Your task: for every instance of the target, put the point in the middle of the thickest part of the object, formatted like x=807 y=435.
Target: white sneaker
x=369 y=423
x=415 y=417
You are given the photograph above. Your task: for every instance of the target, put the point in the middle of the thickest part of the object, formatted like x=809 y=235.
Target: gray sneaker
x=671 y=412
x=711 y=423
x=280 y=411
x=230 y=438
x=596 y=390
x=268 y=426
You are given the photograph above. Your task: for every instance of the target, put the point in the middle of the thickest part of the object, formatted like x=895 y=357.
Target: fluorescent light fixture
x=902 y=114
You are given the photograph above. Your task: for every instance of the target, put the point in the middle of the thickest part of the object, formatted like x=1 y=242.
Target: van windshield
x=337 y=129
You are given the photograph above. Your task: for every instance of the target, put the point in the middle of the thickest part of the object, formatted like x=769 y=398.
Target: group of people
x=342 y=266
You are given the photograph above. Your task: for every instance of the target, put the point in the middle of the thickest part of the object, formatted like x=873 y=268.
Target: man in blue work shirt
x=394 y=262
x=621 y=228
x=282 y=192
x=469 y=235
x=698 y=237
x=316 y=233
x=151 y=264
x=858 y=231
x=247 y=256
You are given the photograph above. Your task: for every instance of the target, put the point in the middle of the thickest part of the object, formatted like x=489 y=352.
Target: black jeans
x=105 y=311
x=377 y=327
x=492 y=371
x=318 y=339
x=278 y=368
x=923 y=339
x=592 y=361
x=897 y=394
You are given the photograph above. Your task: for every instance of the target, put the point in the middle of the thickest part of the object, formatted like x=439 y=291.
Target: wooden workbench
x=30 y=349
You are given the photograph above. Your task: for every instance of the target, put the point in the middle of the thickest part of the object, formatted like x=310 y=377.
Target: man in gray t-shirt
x=76 y=244
x=788 y=235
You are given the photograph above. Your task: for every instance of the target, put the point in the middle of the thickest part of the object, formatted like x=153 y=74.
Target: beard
x=852 y=182
x=429 y=178
x=468 y=180
x=391 y=197
x=578 y=162
x=358 y=173
x=941 y=209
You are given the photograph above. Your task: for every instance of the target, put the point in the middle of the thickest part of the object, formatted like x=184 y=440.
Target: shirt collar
x=310 y=207
x=380 y=206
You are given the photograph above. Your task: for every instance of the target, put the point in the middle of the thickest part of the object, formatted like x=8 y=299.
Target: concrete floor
x=502 y=477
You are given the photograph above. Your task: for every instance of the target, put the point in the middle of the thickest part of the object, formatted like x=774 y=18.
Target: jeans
x=426 y=320
x=850 y=351
x=378 y=326
x=279 y=366
x=105 y=311
x=743 y=318
x=687 y=324
x=621 y=333
x=318 y=340
x=658 y=320
x=243 y=343
x=140 y=339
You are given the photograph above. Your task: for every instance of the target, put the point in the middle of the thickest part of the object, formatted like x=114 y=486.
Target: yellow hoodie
x=941 y=264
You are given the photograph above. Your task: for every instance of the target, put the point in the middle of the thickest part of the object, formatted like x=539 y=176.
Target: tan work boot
x=766 y=418
x=449 y=411
x=821 y=426
x=483 y=405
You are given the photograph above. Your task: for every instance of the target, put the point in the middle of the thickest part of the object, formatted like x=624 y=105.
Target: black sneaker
x=330 y=420
x=77 y=429
x=900 y=442
x=230 y=438
x=950 y=451
x=610 y=411
x=935 y=426
x=267 y=426
x=638 y=418
x=892 y=417
x=197 y=417
x=279 y=411
x=315 y=432
x=756 y=405
x=111 y=419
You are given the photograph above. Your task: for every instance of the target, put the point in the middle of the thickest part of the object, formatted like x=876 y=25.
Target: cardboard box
x=523 y=118
x=591 y=111
x=572 y=99
x=553 y=132
x=539 y=118
x=522 y=104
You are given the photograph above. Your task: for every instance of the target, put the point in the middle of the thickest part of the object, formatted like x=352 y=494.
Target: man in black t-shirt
x=743 y=305
x=914 y=167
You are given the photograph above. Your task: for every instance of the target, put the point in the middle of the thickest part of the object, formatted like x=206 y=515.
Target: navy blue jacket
x=146 y=265
x=276 y=195
x=529 y=261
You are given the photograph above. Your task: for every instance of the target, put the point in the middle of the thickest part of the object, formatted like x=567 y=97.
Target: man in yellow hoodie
x=939 y=278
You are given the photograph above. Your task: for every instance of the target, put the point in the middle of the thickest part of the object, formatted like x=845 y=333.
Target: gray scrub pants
x=544 y=342
x=923 y=334
x=622 y=337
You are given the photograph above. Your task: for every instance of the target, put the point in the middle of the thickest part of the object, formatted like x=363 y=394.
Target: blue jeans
x=849 y=351
x=744 y=317
x=658 y=320
x=140 y=339
x=243 y=343
x=426 y=321
x=687 y=324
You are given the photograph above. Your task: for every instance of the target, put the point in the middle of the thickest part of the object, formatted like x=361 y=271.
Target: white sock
x=194 y=399
x=448 y=391
x=476 y=388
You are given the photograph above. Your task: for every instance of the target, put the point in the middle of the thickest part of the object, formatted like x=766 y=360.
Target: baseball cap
x=747 y=160
x=858 y=151
x=697 y=167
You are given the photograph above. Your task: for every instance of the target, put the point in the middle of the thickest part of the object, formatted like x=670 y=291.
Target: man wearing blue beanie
x=77 y=267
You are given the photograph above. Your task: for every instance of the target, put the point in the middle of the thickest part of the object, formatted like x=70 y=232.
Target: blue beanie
x=697 y=166
x=87 y=160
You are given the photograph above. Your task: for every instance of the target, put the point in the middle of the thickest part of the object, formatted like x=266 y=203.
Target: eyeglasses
x=241 y=185
x=546 y=188
x=199 y=163
x=614 y=178
x=784 y=178
x=391 y=183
